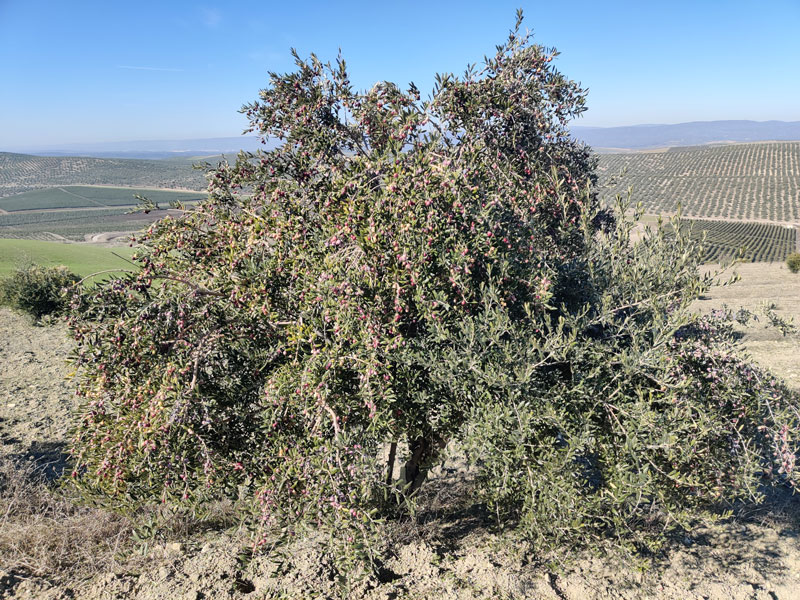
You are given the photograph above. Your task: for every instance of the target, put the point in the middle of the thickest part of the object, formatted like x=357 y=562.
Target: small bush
x=37 y=290
x=793 y=262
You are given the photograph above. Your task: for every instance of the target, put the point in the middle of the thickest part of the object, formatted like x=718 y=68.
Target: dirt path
x=108 y=237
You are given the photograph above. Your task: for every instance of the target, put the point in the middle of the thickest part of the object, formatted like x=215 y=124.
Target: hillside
x=48 y=197
x=737 y=181
x=22 y=172
x=639 y=137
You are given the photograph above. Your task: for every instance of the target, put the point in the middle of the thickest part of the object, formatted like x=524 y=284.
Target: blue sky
x=80 y=71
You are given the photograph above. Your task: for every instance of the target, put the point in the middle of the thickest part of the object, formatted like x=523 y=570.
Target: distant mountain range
x=602 y=139
x=149 y=149
x=642 y=137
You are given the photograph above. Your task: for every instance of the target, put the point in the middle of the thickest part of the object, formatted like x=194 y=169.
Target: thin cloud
x=210 y=17
x=265 y=55
x=149 y=68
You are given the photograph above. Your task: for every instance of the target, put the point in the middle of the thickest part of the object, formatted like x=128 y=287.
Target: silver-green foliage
x=650 y=417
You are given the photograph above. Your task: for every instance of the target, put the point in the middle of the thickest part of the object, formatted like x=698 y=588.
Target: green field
x=735 y=181
x=742 y=182
x=91 y=196
x=52 y=198
x=79 y=258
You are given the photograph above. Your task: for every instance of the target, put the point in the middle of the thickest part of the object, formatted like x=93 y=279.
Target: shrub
x=37 y=290
x=399 y=275
x=793 y=262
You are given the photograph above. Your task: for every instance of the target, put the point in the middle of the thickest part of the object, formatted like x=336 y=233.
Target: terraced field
x=74 y=212
x=52 y=198
x=73 y=224
x=756 y=185
x=737 y=181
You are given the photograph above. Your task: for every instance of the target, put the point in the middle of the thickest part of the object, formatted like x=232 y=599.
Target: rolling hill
x=46 y=197
x=744 y=198
x=736 y=181
x=23 y=172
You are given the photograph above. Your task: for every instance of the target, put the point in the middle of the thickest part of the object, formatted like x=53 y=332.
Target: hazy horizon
x=577 y=124
x=96 y=72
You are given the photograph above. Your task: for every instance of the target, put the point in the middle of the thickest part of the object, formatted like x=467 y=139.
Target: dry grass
x=44 y=532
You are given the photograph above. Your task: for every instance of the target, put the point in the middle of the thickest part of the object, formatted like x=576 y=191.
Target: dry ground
x=763 y=283
x=754 y=557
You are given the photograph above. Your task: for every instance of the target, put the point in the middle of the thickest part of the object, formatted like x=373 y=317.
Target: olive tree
x=399 y=275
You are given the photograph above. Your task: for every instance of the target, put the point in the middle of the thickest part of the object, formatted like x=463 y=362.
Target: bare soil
x=752 y=557
x=770 y=283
